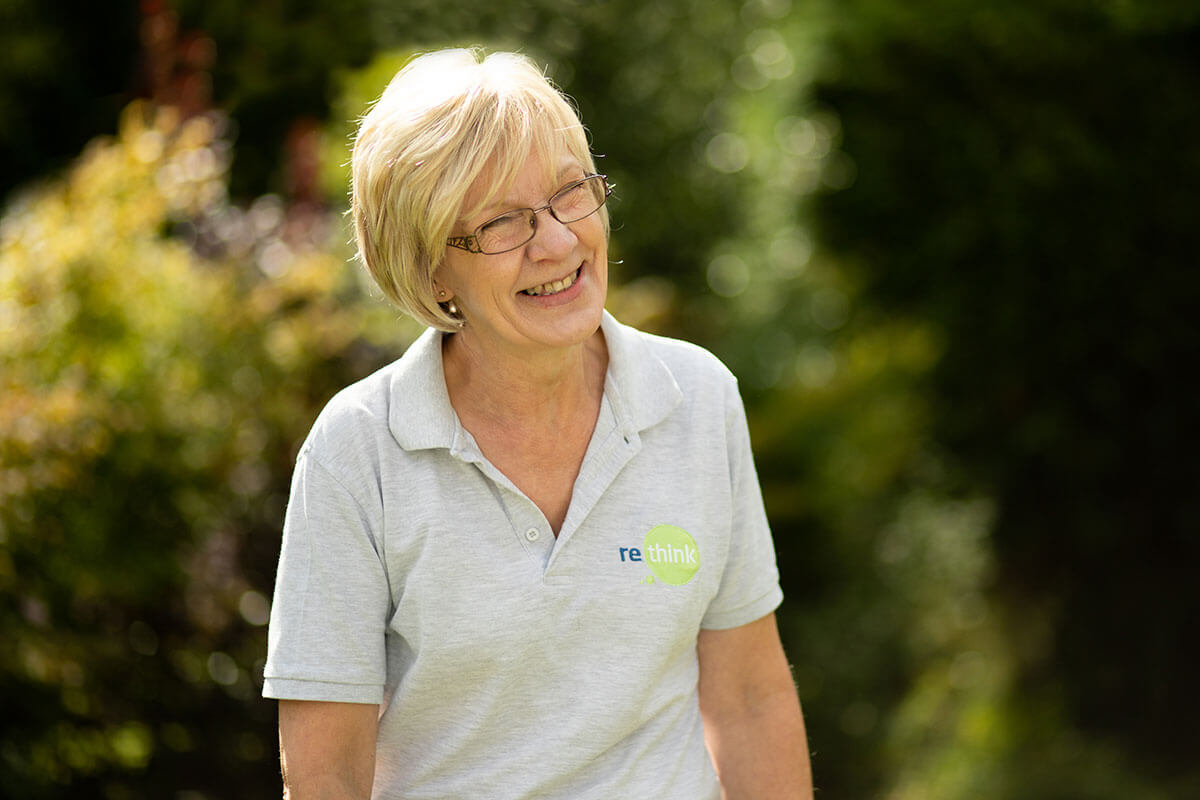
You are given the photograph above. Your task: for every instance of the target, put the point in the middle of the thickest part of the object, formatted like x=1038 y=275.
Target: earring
x=452 y=310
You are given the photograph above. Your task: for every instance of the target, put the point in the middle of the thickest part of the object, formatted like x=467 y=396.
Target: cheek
x=450 y=277
x=595 y=235
x=489 y=281
x=602 y=251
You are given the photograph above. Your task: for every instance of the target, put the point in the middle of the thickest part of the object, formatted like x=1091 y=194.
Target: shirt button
x=532 y=534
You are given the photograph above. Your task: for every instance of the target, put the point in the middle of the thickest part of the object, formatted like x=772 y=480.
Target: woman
x=528 y=559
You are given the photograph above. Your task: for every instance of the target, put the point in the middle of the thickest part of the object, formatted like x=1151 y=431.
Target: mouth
x=553 y=287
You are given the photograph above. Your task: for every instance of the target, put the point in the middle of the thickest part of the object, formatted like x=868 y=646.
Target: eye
x=505 y=231
x=503 y=223
x=571 y=196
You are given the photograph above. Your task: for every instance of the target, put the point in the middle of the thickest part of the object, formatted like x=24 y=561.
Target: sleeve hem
x=745 y=614
x=291 y=689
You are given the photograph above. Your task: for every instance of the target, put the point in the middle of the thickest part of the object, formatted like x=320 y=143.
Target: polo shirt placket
x=607 y=453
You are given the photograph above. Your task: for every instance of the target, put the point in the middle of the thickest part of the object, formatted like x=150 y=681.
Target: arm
x=327 y=750
x=752 y=721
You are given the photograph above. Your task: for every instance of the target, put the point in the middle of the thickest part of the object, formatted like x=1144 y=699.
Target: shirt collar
x=420 y=415
x=639 y=386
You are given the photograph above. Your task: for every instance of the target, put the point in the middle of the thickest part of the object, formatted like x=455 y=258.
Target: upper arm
x=742 y=667
x=753 y=726
x=327 y=749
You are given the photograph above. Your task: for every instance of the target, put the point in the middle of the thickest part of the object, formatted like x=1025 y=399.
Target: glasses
x=510 y=230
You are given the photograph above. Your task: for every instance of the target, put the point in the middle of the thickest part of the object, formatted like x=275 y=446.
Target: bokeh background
x=949 y=247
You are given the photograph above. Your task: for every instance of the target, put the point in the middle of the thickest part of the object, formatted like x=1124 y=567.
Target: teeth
x=553 y=287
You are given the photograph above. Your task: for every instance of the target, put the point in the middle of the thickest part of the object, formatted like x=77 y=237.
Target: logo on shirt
x=670 y=552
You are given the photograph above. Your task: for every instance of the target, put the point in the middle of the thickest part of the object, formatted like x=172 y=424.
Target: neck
x=535 y=390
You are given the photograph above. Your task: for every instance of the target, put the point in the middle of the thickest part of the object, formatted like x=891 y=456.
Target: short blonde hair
x=445 y=119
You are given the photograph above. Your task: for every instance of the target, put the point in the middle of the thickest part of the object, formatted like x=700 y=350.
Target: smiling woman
x=457 y=595
x=549 y=290
x=445 y=143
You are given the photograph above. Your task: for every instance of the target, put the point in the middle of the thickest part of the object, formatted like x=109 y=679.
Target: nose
x=551 y=238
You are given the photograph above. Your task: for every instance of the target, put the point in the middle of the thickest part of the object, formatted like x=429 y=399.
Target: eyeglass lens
x=570 y=204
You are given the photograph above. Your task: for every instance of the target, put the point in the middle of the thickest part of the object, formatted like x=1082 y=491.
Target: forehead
x=528 y=182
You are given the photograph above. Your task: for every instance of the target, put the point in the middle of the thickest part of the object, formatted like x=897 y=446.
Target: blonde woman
x=529 y=558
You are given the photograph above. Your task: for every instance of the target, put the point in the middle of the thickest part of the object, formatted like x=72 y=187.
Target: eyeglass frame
x=470 y=242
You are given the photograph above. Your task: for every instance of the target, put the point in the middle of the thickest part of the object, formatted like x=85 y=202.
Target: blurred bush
x=161 y=355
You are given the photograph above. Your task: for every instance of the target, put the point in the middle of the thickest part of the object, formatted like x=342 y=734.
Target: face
x=549 y=293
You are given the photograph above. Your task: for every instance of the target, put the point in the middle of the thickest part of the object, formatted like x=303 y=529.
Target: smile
x=553 y=287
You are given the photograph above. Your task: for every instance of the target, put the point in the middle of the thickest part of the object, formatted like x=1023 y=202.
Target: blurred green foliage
x=152 y=401
x=1027 y=183
x=940 y=242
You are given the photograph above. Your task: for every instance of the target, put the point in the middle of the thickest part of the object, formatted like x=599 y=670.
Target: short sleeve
x=749 y=587
x=330 y=609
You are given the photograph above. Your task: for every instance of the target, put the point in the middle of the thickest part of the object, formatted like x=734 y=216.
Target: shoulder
x=403 y=405
x=655 y=378
x=353 y=421
x=687 y=361
x=646 y=358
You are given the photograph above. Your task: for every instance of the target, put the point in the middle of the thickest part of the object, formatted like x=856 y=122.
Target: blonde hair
x=445 y=119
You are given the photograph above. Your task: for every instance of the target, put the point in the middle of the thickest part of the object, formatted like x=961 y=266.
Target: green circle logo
x=671 y=553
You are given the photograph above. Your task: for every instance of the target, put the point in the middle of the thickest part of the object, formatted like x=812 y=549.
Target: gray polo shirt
x=509 y=663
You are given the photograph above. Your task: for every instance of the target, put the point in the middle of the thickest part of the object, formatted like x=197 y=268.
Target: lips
x=553 y=287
